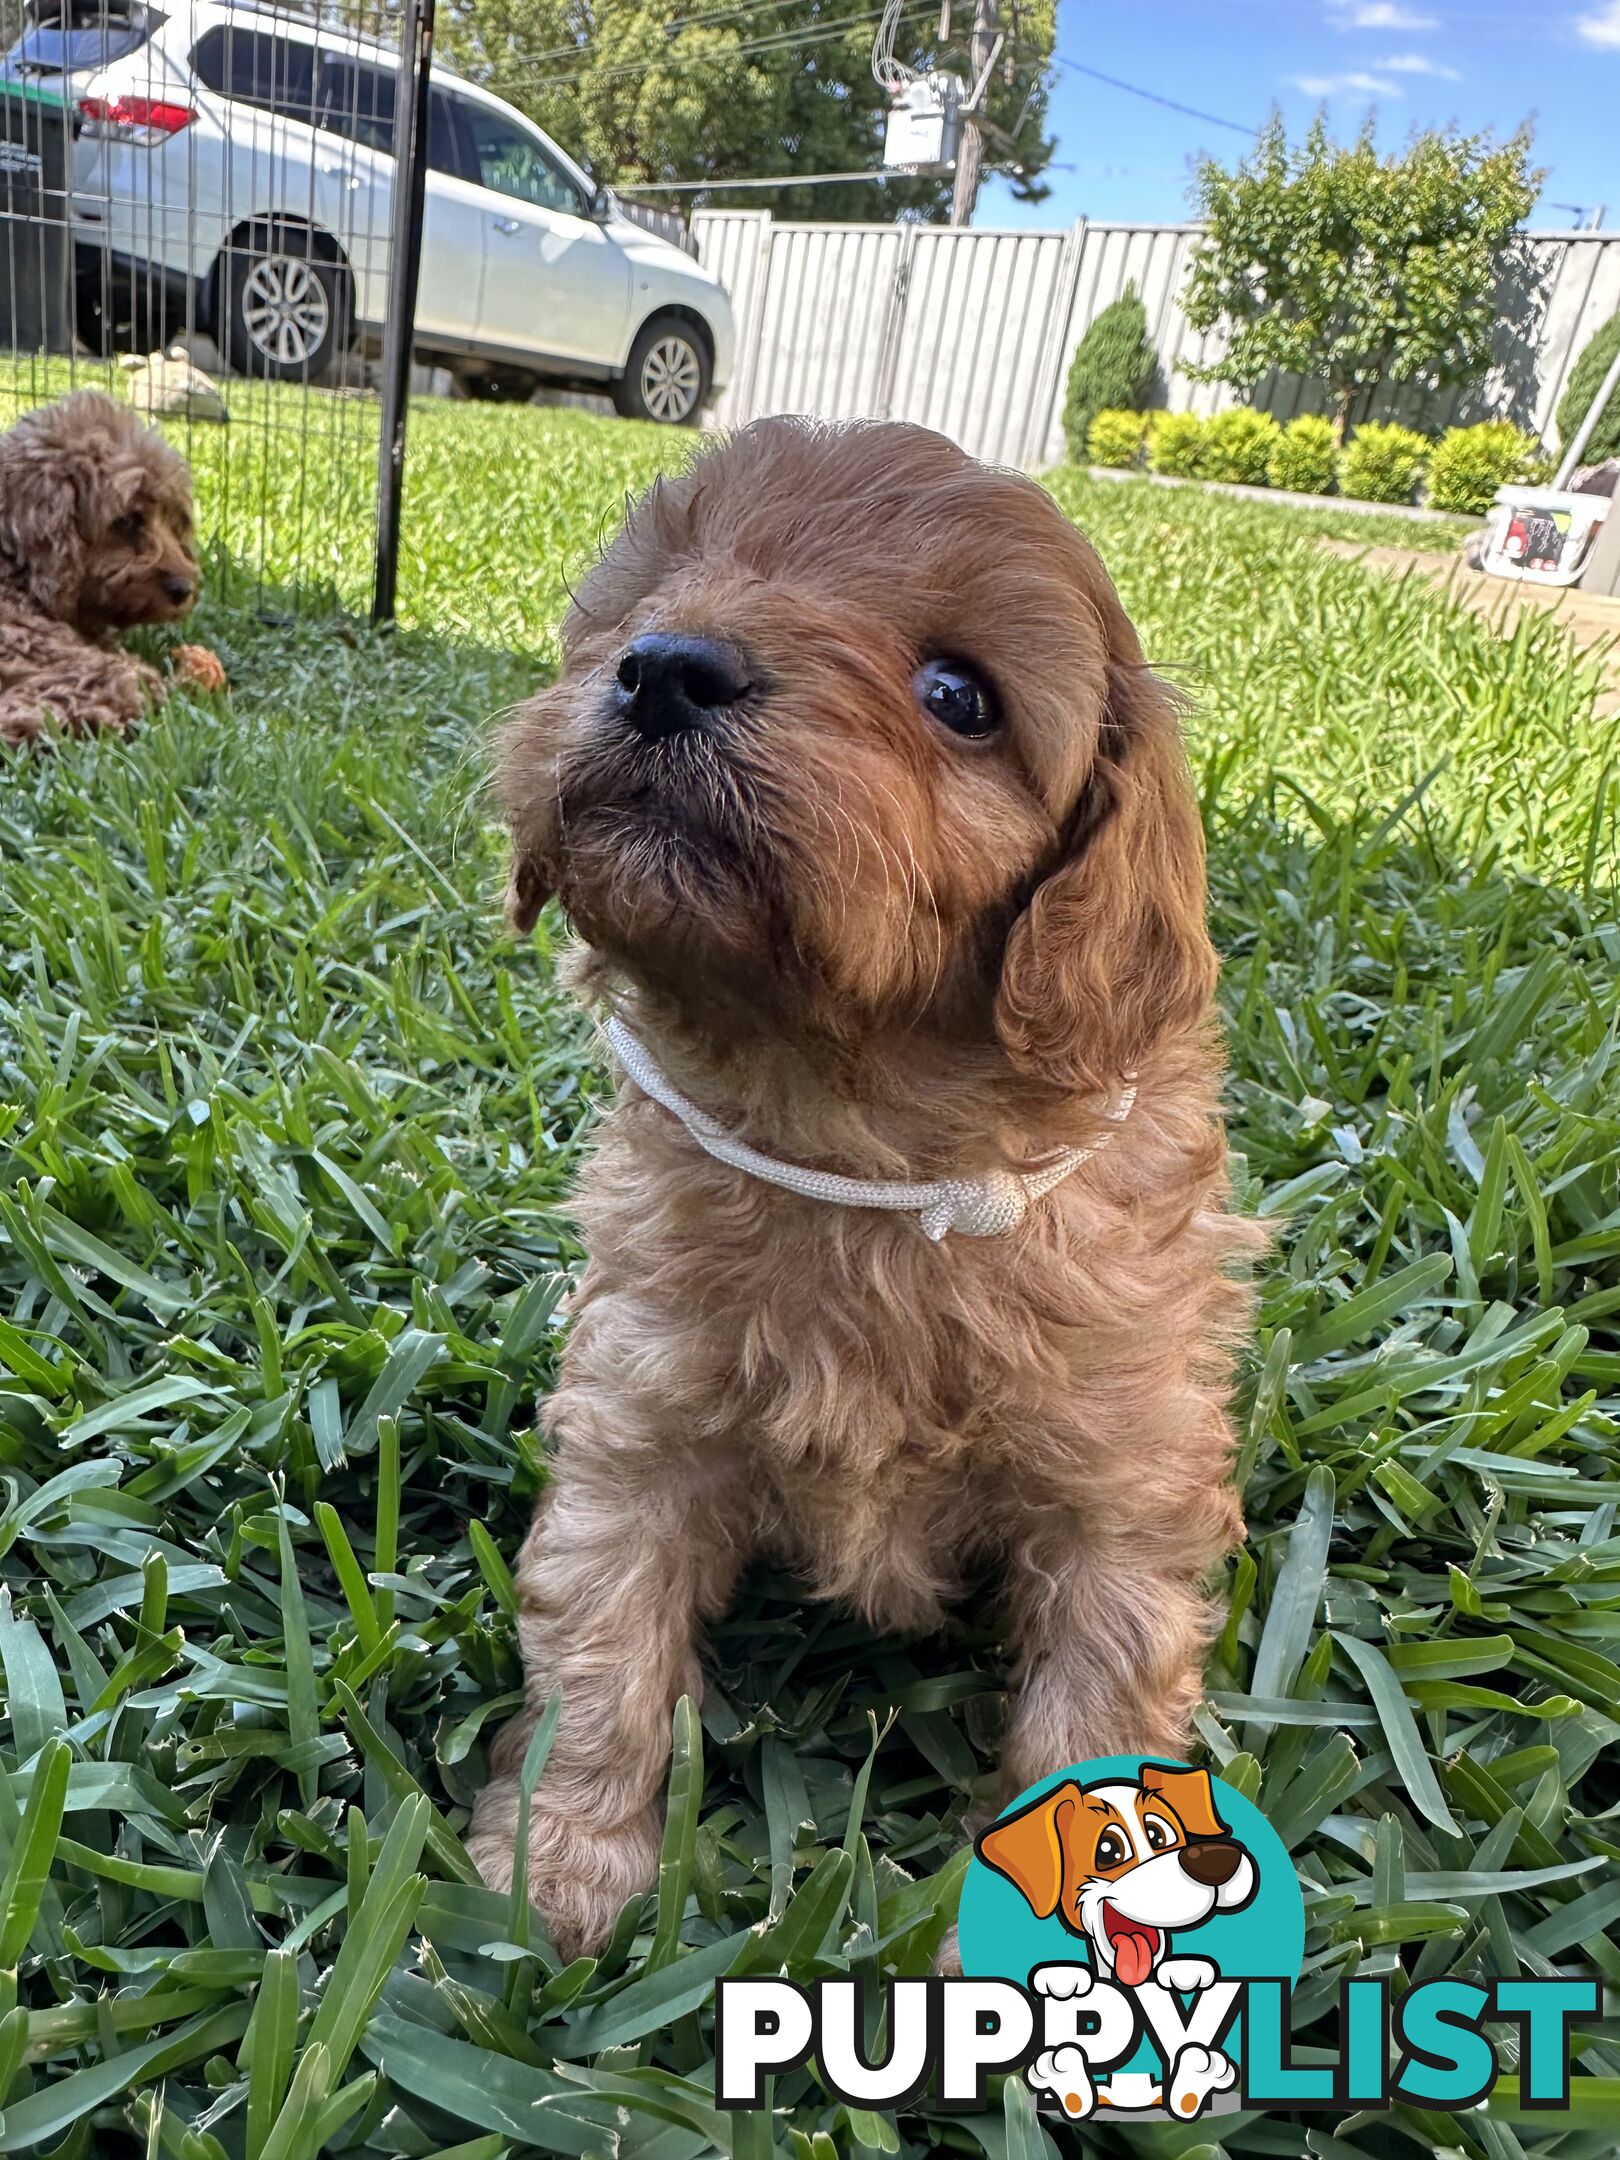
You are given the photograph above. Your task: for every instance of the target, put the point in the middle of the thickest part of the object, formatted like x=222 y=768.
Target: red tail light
x=135 y=119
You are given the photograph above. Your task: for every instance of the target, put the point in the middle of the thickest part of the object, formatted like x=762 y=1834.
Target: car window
x=80 y=34
x=258 y=68
x=66 y=52
x=448 y=148
x=512 y=162
x=357 y=101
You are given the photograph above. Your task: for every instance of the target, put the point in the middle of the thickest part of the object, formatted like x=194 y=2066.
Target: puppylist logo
x=1131 y=1934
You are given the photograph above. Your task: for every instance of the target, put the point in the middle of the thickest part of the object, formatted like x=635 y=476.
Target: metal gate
x=214 y=212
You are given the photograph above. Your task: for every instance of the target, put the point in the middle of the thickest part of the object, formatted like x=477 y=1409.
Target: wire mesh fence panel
x=197 y=204
x=200 y=202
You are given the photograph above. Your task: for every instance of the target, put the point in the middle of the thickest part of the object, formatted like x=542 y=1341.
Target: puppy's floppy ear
x=1028 y=1847
x=526 y=782
x=1111 y=952
x=42 y=548
x=115 y=491
x=527 y=891
x=1190 y=1797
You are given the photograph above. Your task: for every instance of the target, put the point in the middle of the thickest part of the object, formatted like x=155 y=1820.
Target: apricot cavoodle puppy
x=95 y=537
x=907 y=1252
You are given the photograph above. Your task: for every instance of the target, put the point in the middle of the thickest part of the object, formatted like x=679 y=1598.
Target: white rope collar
x=984 y=1206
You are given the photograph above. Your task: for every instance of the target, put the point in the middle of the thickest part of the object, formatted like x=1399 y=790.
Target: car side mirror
x=601 y=205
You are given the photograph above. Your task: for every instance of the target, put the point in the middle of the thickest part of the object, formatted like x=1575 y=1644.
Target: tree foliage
x=1115 y=369
x=1331 y=261
x=643 y=91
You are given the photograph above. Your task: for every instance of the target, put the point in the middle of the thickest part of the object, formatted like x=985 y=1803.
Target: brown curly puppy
x=879 y=836
x=95 y=537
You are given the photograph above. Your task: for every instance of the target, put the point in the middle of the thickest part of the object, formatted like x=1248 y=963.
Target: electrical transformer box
x=925 y=124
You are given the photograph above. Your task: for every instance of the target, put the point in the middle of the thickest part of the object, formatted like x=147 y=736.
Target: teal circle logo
x=1135 y=1899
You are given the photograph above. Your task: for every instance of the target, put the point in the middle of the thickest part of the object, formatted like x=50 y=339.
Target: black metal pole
x=404 y=267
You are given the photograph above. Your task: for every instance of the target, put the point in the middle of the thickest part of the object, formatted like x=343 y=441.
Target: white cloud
x=1321 y=86
x=1601 y=27
x=1384 y=15
x=1413 y=63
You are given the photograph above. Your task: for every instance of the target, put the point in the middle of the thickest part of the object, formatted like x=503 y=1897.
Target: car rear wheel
x=285 y=309
x=667 y=378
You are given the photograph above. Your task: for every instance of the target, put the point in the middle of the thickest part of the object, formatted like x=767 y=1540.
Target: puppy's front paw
x=198 y=668
x=1065 y=2074
x=1062 y=1981
x=580 y=1873
x=1198 y=2072
x=1186 y=1975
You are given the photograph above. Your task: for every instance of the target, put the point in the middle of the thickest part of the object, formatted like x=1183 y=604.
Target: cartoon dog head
x=1124 y=1863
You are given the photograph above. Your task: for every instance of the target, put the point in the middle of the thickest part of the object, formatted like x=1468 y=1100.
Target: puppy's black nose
x=176 y=589
x=1212 y=1861
x=670 y=681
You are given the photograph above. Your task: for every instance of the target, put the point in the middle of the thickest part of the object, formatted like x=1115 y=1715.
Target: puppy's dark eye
x=958 y=697
x=1111 y=1849
x=131 y=525
x=1157 y=1835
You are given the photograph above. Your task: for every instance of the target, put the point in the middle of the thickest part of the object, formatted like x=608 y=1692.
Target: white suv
x=233 y=169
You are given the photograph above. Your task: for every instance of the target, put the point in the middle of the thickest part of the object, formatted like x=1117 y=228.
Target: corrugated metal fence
x=972 y=332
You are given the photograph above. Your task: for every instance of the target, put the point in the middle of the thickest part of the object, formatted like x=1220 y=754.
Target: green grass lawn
x=287 y=1124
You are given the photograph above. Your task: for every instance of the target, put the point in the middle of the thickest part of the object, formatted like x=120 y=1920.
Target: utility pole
x=970 y=149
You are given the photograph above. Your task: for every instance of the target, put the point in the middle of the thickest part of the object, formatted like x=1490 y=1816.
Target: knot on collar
x=987 y=1206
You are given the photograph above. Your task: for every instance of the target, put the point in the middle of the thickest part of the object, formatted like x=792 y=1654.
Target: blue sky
x=1413 y=63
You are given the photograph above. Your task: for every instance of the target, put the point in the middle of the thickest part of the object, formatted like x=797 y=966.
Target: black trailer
x=36 y=248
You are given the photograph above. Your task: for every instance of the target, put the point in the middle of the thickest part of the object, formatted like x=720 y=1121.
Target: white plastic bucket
x=1541 y=536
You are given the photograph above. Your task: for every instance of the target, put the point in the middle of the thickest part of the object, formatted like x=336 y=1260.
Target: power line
x=774 y=42
x=817 y=34
x=784 y=180
x=588 y=39
x=1192 y=112
x=721 y=14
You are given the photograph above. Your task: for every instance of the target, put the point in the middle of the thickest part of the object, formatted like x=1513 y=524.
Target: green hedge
x=1469 y=464
x=1585 y=380
x=1175 y=445
x=1305 y=456
x=1114 y=369
x=1237 y=446
x=1383 y=463
x=1116 y=438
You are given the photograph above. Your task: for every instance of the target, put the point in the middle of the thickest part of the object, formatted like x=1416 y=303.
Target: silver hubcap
x=670 y=379
x=285 y=309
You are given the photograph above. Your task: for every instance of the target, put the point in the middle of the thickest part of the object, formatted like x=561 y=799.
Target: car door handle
x=508 y=224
